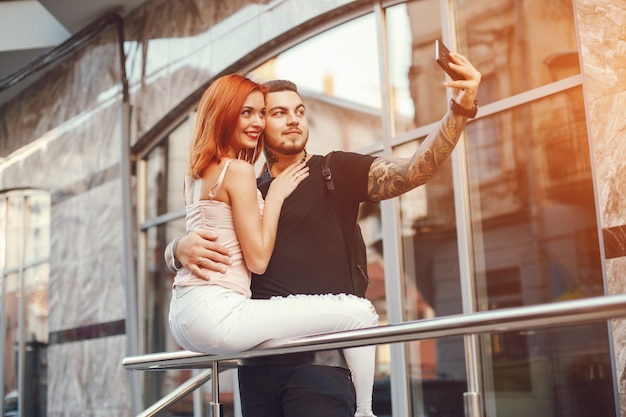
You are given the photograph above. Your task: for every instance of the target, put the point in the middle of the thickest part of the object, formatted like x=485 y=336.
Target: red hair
x=217 y=118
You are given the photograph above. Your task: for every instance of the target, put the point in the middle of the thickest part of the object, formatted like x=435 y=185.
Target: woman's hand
x=287 y=181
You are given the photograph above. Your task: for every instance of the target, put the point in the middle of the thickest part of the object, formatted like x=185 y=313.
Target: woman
x=218 y=316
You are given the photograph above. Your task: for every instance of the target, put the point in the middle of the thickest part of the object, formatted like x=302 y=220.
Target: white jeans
x=212 y=319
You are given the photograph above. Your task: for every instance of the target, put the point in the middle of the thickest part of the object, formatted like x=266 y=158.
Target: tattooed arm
x=391 y=177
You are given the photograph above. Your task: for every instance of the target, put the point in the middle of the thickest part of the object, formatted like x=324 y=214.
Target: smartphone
x=442 y=57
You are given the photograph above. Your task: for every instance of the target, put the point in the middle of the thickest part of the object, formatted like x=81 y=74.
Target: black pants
x=296 y=391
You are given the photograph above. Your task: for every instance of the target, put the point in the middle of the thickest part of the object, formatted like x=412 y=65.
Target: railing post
x=472 y=403
x=472 y=398
x=216 y=407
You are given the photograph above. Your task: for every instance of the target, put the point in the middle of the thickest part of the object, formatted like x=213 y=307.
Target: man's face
x=286 y=128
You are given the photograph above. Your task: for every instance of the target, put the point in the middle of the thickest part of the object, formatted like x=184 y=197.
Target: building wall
x=603 y=53
x=65 y=134
x=73 y=142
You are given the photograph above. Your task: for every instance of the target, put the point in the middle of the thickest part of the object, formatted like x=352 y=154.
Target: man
x=310 y=255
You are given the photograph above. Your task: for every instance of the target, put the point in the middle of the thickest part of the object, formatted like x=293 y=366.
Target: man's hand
x=468 y=87
x=199 y=253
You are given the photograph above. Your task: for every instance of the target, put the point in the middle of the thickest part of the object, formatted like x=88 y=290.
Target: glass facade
x=24 y=262
x=525 y=168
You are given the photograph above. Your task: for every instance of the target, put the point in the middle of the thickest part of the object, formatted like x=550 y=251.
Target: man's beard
x=271 y=152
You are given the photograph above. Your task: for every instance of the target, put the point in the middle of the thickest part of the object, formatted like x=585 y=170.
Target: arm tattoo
x=390 y=177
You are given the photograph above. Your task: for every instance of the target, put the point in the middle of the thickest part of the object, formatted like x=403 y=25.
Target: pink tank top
x=217 y=217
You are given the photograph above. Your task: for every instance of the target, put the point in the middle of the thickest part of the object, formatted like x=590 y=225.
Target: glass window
x=24 y=263
x=337 y=73
x=522 y=44
x=536 y=241
x=430 y=280
x=418 y=96
x=14 y=230
x=531 y=201
x=538 y=199
x=430 y=268
x=165 y=170
x=439 y=394
x=11 y=330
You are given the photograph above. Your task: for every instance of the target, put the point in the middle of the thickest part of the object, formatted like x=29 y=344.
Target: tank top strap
x=215 y=187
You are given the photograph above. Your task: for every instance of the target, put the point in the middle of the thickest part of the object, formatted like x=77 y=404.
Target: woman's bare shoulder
x=240 y=172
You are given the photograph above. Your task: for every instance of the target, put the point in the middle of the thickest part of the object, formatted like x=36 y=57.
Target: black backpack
x=357 y=251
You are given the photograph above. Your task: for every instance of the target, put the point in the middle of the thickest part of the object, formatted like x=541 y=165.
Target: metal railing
x=574 y=312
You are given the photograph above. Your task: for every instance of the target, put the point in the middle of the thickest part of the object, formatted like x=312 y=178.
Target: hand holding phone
x=443 y=59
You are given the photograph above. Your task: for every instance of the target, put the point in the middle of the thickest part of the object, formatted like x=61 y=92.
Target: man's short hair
x=276 y=86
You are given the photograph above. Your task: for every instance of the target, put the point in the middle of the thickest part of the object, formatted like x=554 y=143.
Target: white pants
x=212 y=319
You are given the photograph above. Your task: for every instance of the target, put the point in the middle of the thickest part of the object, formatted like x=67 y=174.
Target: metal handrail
x=572 y=312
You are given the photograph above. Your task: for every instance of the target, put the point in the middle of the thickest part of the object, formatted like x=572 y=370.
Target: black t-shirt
x=310 y=255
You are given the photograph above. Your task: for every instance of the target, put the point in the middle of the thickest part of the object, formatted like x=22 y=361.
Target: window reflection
x=506 y=40
x=11 y=332
x=14 y=230
x=165 y=170
x=418 y=97
x=524 y=44
x=536 y=211
x=24 y=263
x=536 y=241
x=430 y=280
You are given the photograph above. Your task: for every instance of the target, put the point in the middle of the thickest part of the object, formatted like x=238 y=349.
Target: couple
x=211 y=309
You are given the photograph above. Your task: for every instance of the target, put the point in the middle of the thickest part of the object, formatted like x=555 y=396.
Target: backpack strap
x=327 y=174
x=330 y=185
x=359 y=275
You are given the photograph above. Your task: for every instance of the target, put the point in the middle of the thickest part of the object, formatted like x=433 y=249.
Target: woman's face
x=251 y=122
